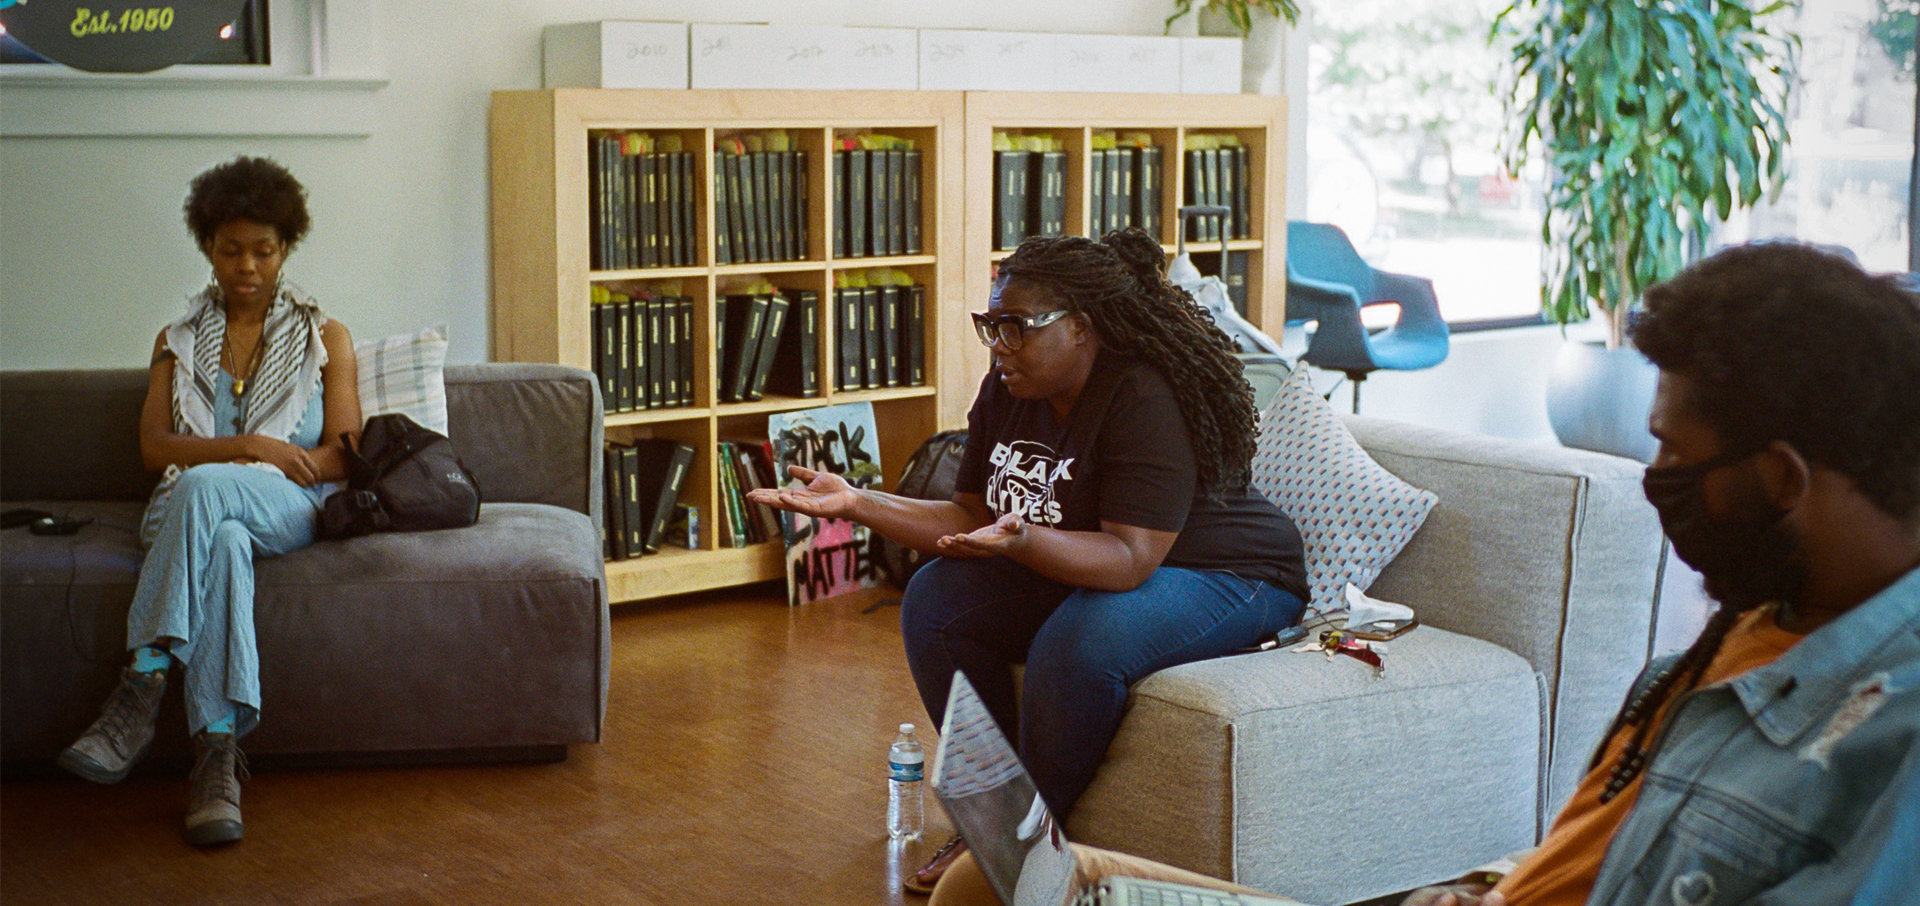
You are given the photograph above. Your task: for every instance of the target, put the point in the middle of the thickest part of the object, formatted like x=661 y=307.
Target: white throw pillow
x=1354 y=516
x=404 y=374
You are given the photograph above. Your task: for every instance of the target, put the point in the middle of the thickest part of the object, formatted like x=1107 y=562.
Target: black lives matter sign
x=107 y=36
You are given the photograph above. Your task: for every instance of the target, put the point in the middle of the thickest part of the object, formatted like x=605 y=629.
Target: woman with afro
x=1102 y=527
x=248 y=396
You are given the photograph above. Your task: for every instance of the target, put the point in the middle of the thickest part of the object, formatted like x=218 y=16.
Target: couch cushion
x=1269 y=769
x=1353 y=515
x=486 y=636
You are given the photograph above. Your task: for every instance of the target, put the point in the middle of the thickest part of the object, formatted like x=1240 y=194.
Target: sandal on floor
x=922 y=881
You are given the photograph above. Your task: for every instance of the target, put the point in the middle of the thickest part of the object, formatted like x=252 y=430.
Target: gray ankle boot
x=213 y=808
x=122 y=735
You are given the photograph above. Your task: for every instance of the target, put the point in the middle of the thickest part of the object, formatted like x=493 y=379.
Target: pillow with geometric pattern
x=403 y=373
x=1354 y=516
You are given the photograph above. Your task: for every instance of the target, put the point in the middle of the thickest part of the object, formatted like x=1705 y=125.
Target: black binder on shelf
x=896 y=201
x=624 y=323
x=1010 y=198
x=910 y=185
x=796 y=358
x=736 y=208
x=687 y=242
x=872 y=339
x=1051 y=190
x=799 y=229
x=770 y=331
x=656 y=353
x=752 y=225
x=856 y=202
x=632 y=482
x=1229 y=192
x=838 y=205
x=779 y=203
x=599 y=210
x=614 y=509
x=1096 y=194
x=1120 y=179
x=746 y=317
x=847 y=347
x=1242 y=198
x=879 y=185
x=604 y=354
x=763 y=184
x=660 y=469
x=648 y=213
x=913 y=327
x=891 y=317
x=1146 y=190
x=685 y=310
x=722 y=226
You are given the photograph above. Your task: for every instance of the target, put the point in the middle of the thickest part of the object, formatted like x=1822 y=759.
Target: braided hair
x=1119 y=283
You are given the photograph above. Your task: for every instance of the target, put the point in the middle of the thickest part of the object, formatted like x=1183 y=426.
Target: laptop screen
x=979 y=779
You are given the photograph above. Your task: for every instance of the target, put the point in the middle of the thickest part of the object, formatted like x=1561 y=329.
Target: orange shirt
x=1561 y=872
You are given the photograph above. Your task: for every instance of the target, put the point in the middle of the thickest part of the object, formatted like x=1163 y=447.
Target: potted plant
x=1256 y=21
x=1654 y=118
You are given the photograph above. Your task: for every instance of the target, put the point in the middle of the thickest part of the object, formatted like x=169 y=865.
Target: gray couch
x=486 y=642
x=1535 y=578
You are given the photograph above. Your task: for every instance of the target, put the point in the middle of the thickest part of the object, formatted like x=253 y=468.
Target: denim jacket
x=1795 y=783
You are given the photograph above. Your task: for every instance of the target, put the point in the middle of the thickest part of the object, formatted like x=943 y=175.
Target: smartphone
x=1382 y=630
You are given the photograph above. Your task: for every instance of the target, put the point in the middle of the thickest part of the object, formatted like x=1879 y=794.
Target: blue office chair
x=1327 y=282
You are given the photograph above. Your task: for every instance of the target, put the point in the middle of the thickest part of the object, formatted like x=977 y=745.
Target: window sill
x=185 y=105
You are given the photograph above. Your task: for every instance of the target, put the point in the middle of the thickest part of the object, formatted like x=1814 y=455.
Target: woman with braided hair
x=1102 y=527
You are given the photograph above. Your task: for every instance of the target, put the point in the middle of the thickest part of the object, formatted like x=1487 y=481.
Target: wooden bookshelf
x=1259 y=123
x=542 y=275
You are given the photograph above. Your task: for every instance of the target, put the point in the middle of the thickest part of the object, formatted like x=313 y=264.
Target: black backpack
x=404 y=478
x=929 y=475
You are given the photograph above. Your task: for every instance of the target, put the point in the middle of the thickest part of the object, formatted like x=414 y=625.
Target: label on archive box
x=960 y=60
x=1210 y=65
x=802 y=57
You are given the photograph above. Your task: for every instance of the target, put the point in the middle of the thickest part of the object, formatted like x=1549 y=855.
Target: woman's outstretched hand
x=825 y=496
x=986 y=541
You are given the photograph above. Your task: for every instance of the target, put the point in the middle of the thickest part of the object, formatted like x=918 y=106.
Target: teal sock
x=148 y=659
x=224 y=724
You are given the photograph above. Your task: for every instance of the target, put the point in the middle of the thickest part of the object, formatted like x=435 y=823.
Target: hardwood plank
x=743 y=762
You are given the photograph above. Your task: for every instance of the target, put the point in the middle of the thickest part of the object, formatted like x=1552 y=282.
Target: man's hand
x=1475 y=894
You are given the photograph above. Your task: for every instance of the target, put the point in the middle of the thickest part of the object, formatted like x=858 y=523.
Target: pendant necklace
x=240 y=382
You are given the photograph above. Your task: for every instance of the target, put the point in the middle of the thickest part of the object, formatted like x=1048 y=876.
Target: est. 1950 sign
x=120 y=35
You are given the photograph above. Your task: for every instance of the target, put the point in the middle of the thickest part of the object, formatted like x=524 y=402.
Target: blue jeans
x=1083 y=650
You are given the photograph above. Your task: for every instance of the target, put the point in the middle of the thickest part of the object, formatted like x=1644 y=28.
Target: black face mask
x=1746 y=560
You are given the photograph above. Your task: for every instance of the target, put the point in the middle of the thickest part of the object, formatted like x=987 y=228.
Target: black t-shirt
x=1123 y=456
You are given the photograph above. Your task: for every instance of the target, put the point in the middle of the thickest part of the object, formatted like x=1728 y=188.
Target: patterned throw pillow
x=403 y=374
x=1354 y=516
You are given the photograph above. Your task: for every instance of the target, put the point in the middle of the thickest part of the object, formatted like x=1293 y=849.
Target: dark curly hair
x=247 y=188
x=1783 y=341
x=1120 y=284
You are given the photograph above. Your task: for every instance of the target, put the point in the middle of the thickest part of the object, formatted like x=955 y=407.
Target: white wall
x=94 y=256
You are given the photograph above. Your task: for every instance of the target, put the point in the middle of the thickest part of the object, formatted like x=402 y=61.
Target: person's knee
x=206 y=483
x=231 y=536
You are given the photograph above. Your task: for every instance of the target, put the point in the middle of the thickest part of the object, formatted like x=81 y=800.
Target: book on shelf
x=743 y=315
x=736 y=207
x=896 y=212
x=1050 y=193
x=796 y=357
x=614 y=508
x=683 y=530
x=648 y=182
x=684 y=207
x=754 y=469
x=914 y=326
x=838 y=205
x=1119 y=181
x=1242 y=202
x=1146 y=190
x=879 y=185
x=684 y=309
x=854 y=205
x=849 y=357
x=623 y=324
x=910 y=202
x=1010 y=198
x=722 y=222
x=660 y=469
x=631 y=482
x=606 y=351
x=762 y=213
x=600 y=206
x=1096 y=193
x=768 y=341
x=733 y=523
x=891 y=305
x=872 y=339
x=669 y=315
x=778 y=197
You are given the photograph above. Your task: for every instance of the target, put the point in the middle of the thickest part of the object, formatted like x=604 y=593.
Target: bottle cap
x=906 y=728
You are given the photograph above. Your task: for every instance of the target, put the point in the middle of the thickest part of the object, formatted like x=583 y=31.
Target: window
x=1403 y=135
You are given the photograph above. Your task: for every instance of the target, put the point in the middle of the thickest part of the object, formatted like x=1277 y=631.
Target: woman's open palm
x=825 y=495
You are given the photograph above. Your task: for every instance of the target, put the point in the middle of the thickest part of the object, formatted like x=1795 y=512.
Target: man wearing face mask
x=1777 y=760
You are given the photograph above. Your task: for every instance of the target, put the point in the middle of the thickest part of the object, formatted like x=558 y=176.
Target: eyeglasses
x=1010 y=331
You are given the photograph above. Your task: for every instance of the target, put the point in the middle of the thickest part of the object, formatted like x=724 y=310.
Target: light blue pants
x=196 y=584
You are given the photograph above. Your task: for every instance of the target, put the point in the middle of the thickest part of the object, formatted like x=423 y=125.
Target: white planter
x=1261 y=47
x=1599 y=398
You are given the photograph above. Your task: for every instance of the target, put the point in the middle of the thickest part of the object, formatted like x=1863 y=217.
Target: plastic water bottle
x=906 y=768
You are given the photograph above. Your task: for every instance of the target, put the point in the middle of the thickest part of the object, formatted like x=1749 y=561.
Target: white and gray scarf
x=281 y=387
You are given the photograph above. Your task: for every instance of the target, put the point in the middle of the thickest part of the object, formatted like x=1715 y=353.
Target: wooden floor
x=743 y=762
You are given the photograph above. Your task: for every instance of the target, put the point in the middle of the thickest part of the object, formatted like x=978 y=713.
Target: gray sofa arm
x=1551 y=553
x=531 y=433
